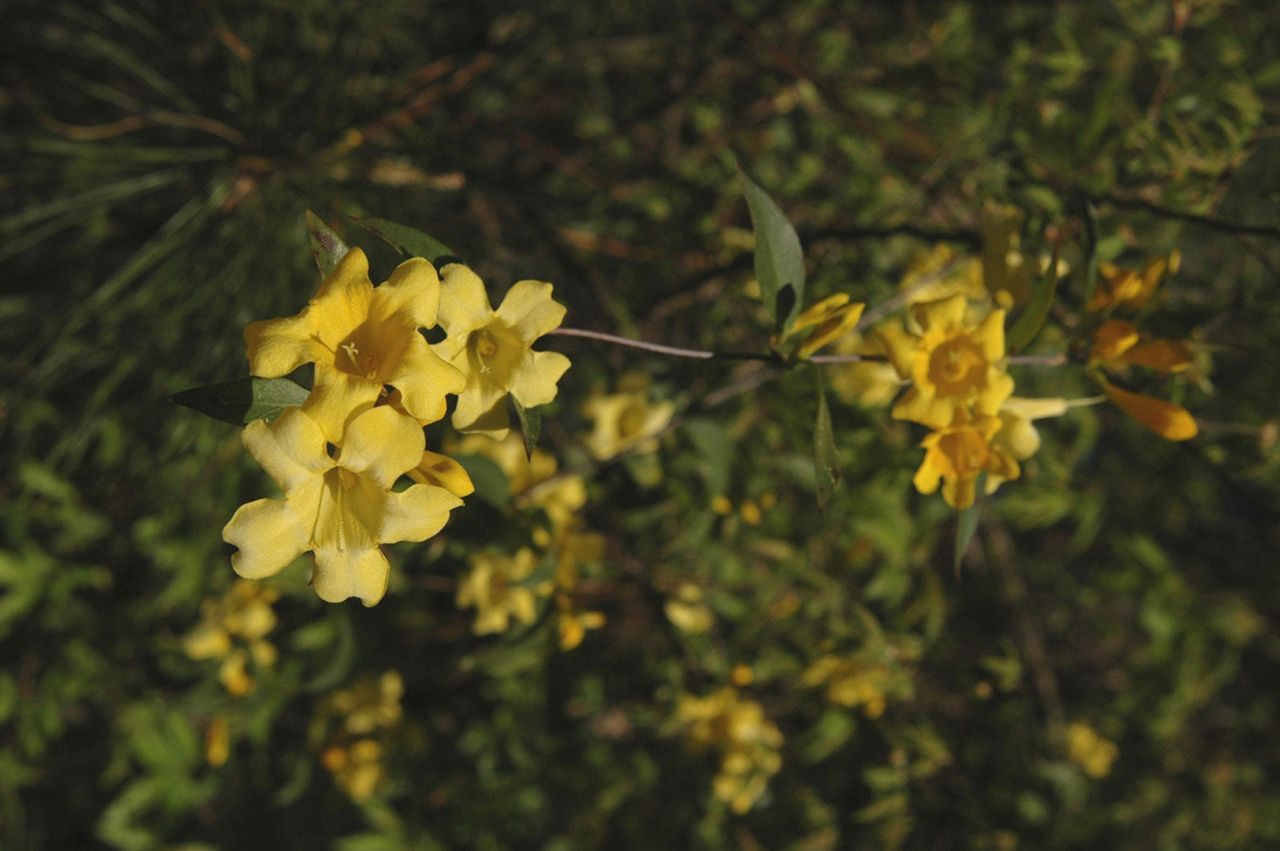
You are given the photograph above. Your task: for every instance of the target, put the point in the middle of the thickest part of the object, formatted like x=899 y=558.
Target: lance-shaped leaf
x=326 y=246
x=826 y=460
x=530 y=420
x=967 y=521
x=244 y=400
x=779 y=260
x=408 y=241
x=1031 y=320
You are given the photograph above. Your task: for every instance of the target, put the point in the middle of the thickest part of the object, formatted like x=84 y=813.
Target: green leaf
x=406 y=240
x=1032 y=318
x=530 y=425
x=779 y=260
x=1091 y=250
x=243 y=401
x=967 y=521
x=491 y=483
x=826 y=460
x=326 y=246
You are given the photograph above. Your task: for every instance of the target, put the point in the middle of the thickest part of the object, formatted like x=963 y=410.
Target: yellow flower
x=942 y=272
x=1093 y=753
x=952 y=364
x=361 y=339
x=356 y=767
x=572 y=624
x=492 y=587
x=955 y=456
x=852 y=683
x=243 y=613
x=871 y=384
x=217 y=741
x=532 y=480
x=831 y=318
x=1129 y=290
x=1118 y=343
x=748 y=743
x=341 y=508
x=625 y=421
x=1170 y=421
x=493 y=348
x=686 y=609
x=443 y=472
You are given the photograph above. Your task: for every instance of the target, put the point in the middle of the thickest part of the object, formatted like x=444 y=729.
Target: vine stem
x=705 y=354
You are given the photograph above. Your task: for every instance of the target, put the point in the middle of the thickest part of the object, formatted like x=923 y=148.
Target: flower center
x=494 y=352
x=957 y=367
x=357 y=358
x=631 y=423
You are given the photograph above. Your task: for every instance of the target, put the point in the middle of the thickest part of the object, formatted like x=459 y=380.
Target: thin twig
x=1270 y=231
x=659 y=348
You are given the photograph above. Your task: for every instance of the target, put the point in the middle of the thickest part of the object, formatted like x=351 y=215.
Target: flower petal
x=340 y=574
x=270 y=533
x=464 y=307
x=276 y=347
x=1161 y=355
x=529 y=309
x=1113 y=338
x=535 y=380
x=415 y=514
x=291 y=449
x=424 y=379
x=382 y=444
x=443 y=472
x=342 y=303
x=482 y=408
x=411 y=294
x=942 y=315
x=917 y=407
x=337 y=398
x=1170 y=421
x=899 y=346
x=990 y=335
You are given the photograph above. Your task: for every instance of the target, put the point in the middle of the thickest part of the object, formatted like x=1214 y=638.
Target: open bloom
x=361 y=338
x=957 y=455
x=626 y=421
x=341 y=508
x=749 y=743
x=952 y=364
x=493 y=348
x=1118 y=344
x=242 y=615
x=497 y=586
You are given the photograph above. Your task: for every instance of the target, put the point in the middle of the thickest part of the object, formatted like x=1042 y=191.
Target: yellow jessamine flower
x=871 y=384
x=493 y=348
x=953 y=365
x=687 y=610
x=572 y=624
x=341 y=508
x=748 y=742
x=955 y=456
x=533 y=480
x=1093 y=753
x=1117 y=344
x=492 y=588
x=244 y=613
x=852 y=683
x=626 y=421
x=1126 y=289
x=831 y=318
x=217 y=741
x=1170 y=421
x=370 y=704
x=356 y=767
x=942 y=272
x=361 y=338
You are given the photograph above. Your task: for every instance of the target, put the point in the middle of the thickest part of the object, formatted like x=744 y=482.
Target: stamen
x=352 y=352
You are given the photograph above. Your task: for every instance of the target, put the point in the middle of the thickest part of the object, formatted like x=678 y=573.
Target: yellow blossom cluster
x=858 y=681
x=1089 y=750
x=233 y=629
x=626 y=421
x=353 y=731
x=506 y=588
x=748 y=743
x=377 y=381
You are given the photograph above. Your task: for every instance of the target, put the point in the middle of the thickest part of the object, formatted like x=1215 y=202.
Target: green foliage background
x=156 y=166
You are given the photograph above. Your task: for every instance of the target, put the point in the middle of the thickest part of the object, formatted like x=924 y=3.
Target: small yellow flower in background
x=852 y=683
x=492 y=588
x=356 y=767
x=217 y=741
x=533 y=481
x=748 y=742
x=831 y=318
x=370 y=704
x=243 y=615
x=687 y=610
x=493 y=348
x=361 y=338
x=572 y=624
x=626 y=421
x=340 y=508
x=942 y=272
x=952 y=364
x=955 y=457
x=1118 y=343
x=1125 y=289
x=1093 y=753
x=360 y=718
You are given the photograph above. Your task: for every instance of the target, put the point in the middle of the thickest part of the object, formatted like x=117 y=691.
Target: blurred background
x=1101 y=672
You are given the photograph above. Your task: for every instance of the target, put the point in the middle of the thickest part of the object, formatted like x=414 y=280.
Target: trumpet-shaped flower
x=495 y=588
x=244 y=613
x=625 y=421
x=871 y=383
x=1119 y=343
x=361 y=338
x=1129 y=290
x=953 y=365
x=1170 y=421
x=957 y=455
x=341 y=508
x=830 y=319
x=748 y=742
x=493 y=348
